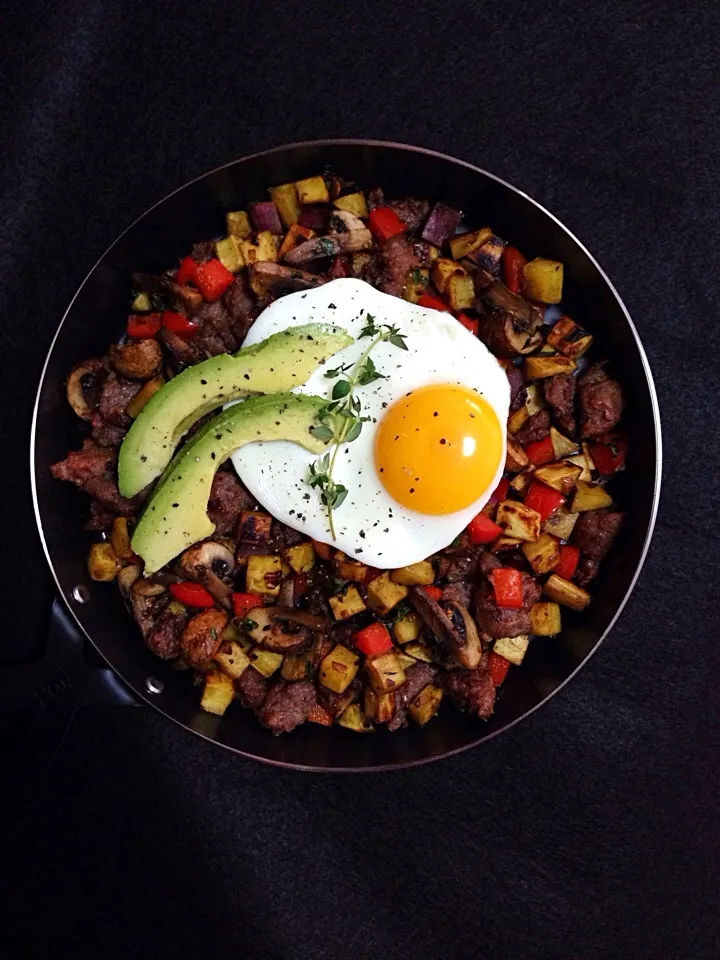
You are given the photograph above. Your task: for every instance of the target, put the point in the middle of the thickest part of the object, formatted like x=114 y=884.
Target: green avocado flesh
x=281 y=362
x=176 y=514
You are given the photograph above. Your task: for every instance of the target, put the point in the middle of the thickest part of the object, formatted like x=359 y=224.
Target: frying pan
x=196 y=211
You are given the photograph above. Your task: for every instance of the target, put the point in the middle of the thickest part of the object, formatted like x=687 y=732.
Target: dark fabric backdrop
x=591 y=830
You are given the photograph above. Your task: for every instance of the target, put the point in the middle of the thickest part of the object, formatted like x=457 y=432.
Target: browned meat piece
x=184 y=351
x=341 y=267
x=228 y=498
x=271 y=280
x=287 y=705
x=397 y=258
x=106 y=492
x=320 y=587
x=471 y=690
x=335 y=703
x=105 y=434
x=115 y=396
x=416 y=677
x=82 y=465
x=283 y=536
x=200 y=640
x=412 y=212
x=559 y=392
x=594 y=533
x=375 y=198
x=487 y=562
x=205 y=250
x=504 y=621
x=147 y=610
x=100 y=518
x=458 y=592
x=164 y=638
x=601 y=402
x=165 y=291
x=251 y=689
x=137 y=361
x=518 y=393
x=536 y=428
x=462 y=565
x=241 y=307
x=216 y=334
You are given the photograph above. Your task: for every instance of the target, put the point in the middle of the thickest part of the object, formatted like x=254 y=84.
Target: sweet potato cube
x=353 y=203
x=263 y=575
x=426 y=704
x=338 y=669
x=238 y=224
x=460 y=291
x=569 y=339
x=537 y=368
x=384 y=672
x=232 y=659
x=561 y=476
x=589 y=496
x=301 y=557
x=542 y=555
x=383 y=594
x=566 y=593
x=286 y=200
x=416 y=574
x=346 y=604
x=312 y=190
x=218 y=692
x=543 y=280
x=519 y=521
x=545 y=619
x=512 y=648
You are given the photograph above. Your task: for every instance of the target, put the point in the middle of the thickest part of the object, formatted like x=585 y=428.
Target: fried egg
x=431 y=451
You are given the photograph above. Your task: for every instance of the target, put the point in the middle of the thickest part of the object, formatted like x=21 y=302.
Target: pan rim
x=657 y=480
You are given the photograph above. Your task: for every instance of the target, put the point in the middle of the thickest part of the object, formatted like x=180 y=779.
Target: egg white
x=370 y=525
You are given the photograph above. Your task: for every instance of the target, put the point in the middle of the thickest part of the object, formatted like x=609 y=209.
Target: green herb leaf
x=341 y=389
x=322 y=432
x=398 y=340
x=354 y=432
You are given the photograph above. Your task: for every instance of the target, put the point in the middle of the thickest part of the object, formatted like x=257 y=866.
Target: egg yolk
x=437 y=449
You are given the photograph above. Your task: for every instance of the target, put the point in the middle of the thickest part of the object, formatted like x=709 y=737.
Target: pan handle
x=61 y=678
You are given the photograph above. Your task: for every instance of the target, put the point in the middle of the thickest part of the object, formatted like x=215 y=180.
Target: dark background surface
x=589 y=831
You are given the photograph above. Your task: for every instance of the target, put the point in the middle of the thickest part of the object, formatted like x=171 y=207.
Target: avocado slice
x=176 y=514
x=281 y=362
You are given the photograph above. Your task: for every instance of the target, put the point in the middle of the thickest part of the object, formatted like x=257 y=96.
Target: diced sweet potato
x=464 y=243
x=238 y=224
x=560 y=523
x=543 y=280
x=120 y=539
x=263 y=575
x=521 y=481
x=562 y=445
x=460 y=291
x=265 y=662
x=426 y=704
x=545 y=619
x=383 y=594
x=589 y=496
x=263 y=249
x=517 y=520
x=348 y=569
x=286 y=200
x=353 y=203
x=536 y=368
x=407 y=628
x=417 y=284
x=534 y=401
x=346 y=604
x=442 y=270
x=102 y=562
x=512 y=648
x=569 y=339
x=418 y=651
x=229 y=253
x=301 y=557
x=566 y=593
x=254 y=527
x=561 y=476
x=338 y=669
x=218 y=692
x=542 y=555
x=504 y=543
x=232 y=659
x=352 y=718
x=312 y=190
x=384 y=672
x=416 y=574
x=379 y=707
x=293 y=238
x=518 y=419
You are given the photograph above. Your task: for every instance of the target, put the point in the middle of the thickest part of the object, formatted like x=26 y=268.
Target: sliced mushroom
x=314 y=249
x=342 y=221
x=207 y=563
x=500 y=332
x=269 y=279
x=527 y=315
x=355 y=240
x=127 y=577
x=81 y=385
x=137 y=361
x=444 y=630
x=202 y=636
x=282 y=629
x=148 y=588
x=470 y=654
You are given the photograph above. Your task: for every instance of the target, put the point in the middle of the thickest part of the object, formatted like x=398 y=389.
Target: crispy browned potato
x=516 y=459
x=566 y=593
x=201 y=638
x=561 y=476
x=569 y=339
x=137 y=361
x=536 y=368
x=517 y=520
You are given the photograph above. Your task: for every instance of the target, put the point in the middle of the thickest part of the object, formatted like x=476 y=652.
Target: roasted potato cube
x=404 y=660
x=417 y=651
x=569 y=339
x=231 y=634
x=346 y=604
x=566 y=593
x=238 y=224
x=383 y=594
x=517 y=520
x=146 y=391
x=515 y=458
x=384 y=672
x=517 y=419
x=545 y=619
x=293 y=238
x=228 y=253
x=142 y=303
x=560 y=523
x=352 y=718
x=296 y=666
x=464 y=243
x=535 y=399
x=442 y=270
x=416 y=574
x=489 y=254
x=521 y=481
x=417 y=284
x=102 y=562
x=561 y=476
x=512 y=648
x=254 y=527
x=537 y=368
x=580 y=460
x=218 y=692
x=348 y=569
x=286 y=200
x=320 y=715
x=120 y=539
x=407 y=628
x=263 y=575
x=589 y=496
x=542 y=555
x=426 y=704
x=338 y=669
x=379 y=707
x=460 y=291
x=312 y=190
x=232 y=659
x=546 y=351
x=562 y=445
x=301 y=557
x=504 y=543
x=263 y=249
x=353 y=203
x=265 y=661
x=543 y=280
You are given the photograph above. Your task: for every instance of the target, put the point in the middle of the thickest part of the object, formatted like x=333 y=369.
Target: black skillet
x=98 y=314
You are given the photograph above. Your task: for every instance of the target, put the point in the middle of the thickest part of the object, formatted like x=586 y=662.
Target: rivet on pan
x=80 y=593
x=154 y=685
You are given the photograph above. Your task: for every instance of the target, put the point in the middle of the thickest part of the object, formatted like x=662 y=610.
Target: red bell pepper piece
x=540 y=452
x=142 y=326
x=512 y=266
x=244 y=602
x=187 y=271
x=433 y=592
x=507 y=586
x=498 y=667
x=567 y=564
x=191 y=594
x=385 y=223
x=608 y=453
x=433 y=303
x=180 y=325
x=482 y=529
x=501 y=491
x=212 y=279
x=543 y=499
x=470 y=323
x=373 y=640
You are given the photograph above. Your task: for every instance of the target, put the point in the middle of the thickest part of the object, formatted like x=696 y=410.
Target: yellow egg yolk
x=437 y=449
